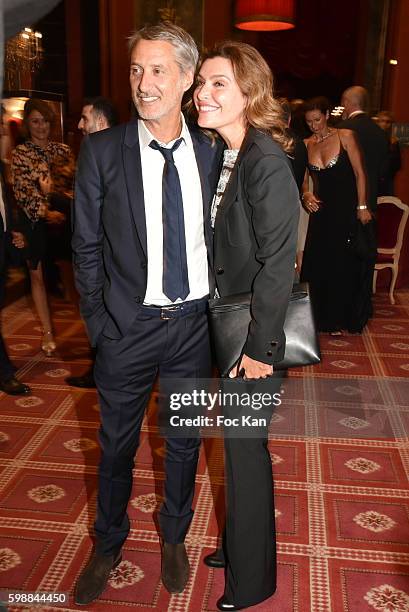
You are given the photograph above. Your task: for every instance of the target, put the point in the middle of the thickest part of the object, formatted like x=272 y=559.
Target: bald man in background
x=372 y=139
x=375 y=149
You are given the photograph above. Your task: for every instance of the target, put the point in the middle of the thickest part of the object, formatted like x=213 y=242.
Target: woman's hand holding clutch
x=251 y=368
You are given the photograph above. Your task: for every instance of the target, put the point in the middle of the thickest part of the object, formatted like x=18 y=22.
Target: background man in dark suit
x=143 y=292
x=375 y=152
x=372 y=139
x=97 y=114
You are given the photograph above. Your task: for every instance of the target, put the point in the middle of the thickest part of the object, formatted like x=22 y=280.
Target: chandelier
x=23 y=57
x=168 y=12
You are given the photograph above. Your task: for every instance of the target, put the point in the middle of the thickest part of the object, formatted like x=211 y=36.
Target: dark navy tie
x=175 y=282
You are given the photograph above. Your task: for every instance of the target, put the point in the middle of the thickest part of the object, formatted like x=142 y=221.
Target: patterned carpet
x=339 y=446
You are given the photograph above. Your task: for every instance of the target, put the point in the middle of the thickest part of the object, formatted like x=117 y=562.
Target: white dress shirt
x=152 y=162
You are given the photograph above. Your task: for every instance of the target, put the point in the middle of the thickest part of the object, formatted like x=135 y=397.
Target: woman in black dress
x=338 y=199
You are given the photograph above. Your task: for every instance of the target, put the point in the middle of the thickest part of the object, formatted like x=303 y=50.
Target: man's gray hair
x=186 y=52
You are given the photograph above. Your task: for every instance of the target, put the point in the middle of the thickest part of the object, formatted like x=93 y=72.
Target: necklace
x=318 y=139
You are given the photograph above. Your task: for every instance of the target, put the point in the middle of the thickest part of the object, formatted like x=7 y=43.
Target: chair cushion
x=382 y=258
x=389 y=217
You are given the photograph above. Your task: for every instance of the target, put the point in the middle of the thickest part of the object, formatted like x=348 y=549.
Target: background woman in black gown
x=338 y=199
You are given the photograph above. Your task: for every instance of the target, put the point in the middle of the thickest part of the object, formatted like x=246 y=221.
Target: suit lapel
x=233 y=189
x=133 y=177
x=207 y=159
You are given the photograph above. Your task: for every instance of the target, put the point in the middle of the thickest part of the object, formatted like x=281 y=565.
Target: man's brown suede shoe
x=94 y=577
x=175 y=567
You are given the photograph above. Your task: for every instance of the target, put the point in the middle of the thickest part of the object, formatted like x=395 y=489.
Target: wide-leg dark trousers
x=125 y=371
x=250 y=527
x=250 y=537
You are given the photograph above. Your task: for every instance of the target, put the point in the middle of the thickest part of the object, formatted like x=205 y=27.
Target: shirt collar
x=146 y=137
x=357 y=112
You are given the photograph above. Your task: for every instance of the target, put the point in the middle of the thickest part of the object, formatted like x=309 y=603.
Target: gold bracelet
x=362 y=207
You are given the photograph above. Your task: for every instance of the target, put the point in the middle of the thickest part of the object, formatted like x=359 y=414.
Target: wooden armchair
x=391 y=221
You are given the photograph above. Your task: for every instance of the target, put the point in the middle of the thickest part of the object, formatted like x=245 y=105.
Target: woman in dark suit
x=255 y=218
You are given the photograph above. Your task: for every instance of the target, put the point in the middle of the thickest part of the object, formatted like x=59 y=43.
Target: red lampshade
x=265 y=15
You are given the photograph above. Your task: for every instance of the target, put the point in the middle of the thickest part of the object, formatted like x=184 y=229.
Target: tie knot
x=167 y=153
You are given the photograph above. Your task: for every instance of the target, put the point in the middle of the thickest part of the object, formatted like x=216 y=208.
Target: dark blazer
x=375 y=151
x=109 y=240
x=4 y=242
x=9 y=254
x=7 y=251
x=299 y=160
x=255 y=239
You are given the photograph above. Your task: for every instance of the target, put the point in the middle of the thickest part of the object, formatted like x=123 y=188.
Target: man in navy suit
x=143 y=298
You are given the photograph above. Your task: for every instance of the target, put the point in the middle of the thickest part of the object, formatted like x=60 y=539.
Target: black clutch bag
x=362 y=240
x=229 y=322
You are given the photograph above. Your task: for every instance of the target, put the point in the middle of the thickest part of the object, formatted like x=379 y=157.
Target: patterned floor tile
x=290 y=515
x=14 y=437
x=70 y=445
x=347 y=343
x=396 y=345
x=368 y=467
x=387 y=311
x=25 y=557
x=372 y=522
x=384 y=326
x=396 y=366
x=288 y=459
x=356 y=421
x=369 y=587
x=46 y=494
x=40 y=403
x=340 y=458
x=349 y=365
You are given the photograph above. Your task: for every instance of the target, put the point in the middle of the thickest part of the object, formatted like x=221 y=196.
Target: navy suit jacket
x=109 y=239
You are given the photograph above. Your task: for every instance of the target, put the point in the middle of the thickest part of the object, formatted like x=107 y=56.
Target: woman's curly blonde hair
x=255 y=80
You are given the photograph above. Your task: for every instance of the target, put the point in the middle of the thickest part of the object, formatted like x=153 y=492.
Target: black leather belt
x=174 y=311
